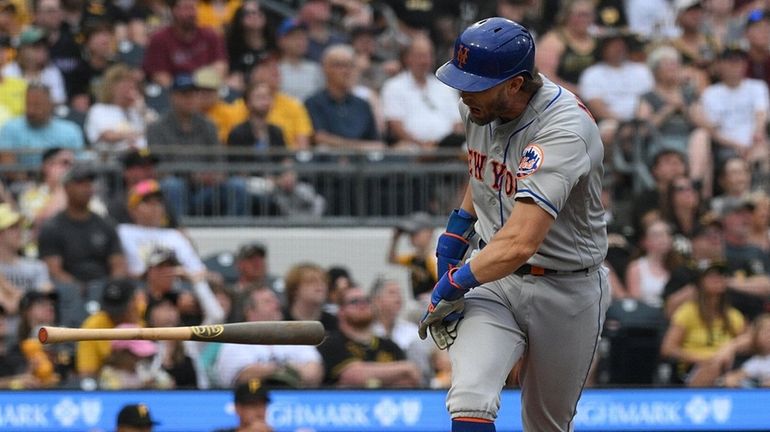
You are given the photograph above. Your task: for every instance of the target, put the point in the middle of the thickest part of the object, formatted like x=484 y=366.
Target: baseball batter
x=539 y=287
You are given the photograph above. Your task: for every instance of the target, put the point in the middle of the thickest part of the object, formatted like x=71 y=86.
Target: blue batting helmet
x=488 y=53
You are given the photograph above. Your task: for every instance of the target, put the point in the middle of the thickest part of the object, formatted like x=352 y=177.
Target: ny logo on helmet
x=462 y=55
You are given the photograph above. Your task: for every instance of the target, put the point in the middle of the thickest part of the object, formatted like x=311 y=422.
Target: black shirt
x=337 y=350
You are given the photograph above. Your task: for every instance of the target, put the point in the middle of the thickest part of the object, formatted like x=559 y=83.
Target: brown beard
x=360 y=323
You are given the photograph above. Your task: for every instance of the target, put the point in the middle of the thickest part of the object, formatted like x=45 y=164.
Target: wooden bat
x=255 y=332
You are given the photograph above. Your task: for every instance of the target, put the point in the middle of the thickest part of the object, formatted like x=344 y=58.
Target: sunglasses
x=357 y=301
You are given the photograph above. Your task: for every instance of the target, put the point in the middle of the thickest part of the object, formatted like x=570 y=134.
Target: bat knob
x=42 y=335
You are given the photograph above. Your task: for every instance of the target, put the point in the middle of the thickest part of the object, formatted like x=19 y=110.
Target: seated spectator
x=387 y=305
x=253 y=273
x=341 y=119
x=567 y=50
x=183 y=46
x=647 y=275
x=760 y=218
x=80 y=248
x=12 y=89
x=50 y=364
x=221 y=113
x=184 y=126
x=13 y=373
x=120 y=304
x=339 y=280
x=421 y=261
x=44 y=199
x=613 y=87
x=300 y=77
x=37 y=130
x=135 y=418
x=293 y=197
x=683 y=212
x=138 y=165
x=698 y=50
x=99 y=53
x=703 y=331
x=667 y=165
x=64 y=51
x=720 y=23
x=316 y=15
x=33 y=64
x=117 y=122
x=734 y=182
x=306 y=289
x=734 y=111
x=755 y=372
x=256 y=133
x=419 y=110
x=251 y=400
x=129 y=366
x=758 y=40
x=174 y=357
x=237 y=362
x=247 y=39
x=354 y=357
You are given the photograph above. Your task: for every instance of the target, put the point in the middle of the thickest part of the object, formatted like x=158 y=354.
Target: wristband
x=464 y=278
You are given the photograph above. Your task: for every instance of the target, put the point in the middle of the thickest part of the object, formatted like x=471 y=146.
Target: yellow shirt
x=287 y=113
x=90 y=355
x=696 y=340
x=13 y=93
x=225 y=118
x=216 y=15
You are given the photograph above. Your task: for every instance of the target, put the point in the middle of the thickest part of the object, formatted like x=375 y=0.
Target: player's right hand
x=446 y=303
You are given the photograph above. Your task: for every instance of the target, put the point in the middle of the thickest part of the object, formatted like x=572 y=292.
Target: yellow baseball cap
x=8 y=216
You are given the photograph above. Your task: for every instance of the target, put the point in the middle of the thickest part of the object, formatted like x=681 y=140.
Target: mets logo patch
x=531 y=159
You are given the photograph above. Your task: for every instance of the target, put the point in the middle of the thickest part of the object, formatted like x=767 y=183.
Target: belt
x=528 y=269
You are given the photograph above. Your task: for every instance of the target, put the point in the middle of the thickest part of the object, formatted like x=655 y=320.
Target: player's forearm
x=467 y=203
x=362 y=373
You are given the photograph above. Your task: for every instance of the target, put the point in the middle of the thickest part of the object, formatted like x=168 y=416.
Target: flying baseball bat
x=258 y=333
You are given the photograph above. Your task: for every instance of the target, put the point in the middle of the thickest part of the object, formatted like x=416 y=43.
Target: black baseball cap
x=707 y=267
x=136 y=415
x=31 y=297
x=183 y=82
x=251 y=391
x=117 y=294
x=80 y=171
x=138 y=158
x=251 y=249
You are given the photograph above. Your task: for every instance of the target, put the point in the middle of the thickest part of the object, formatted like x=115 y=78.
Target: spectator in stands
x=78 y=246
x=23 y=138
x=760 y=219
x=753 y=296
x=9 y=19
x=647 y=275
x=339 y=281
x=64 y=51
x=667 y=108
x=117 y=122
x=33 y=64
x=721 y=24
x=237 y=363
x=183 y=46
x=612 y=87
x=653 y=20
x=755 y=372
x=667 y=165
x=370 y=63
x=306 y=289
x=421 y=261
x=758 y=39
x=12 y=90
x=703 y=331
x=51 y=365
x=172 y=356
x=734 y=111
x=682 y=211
x=184 y=125
x=253 y=273
x=138 y=165
x=419 y=111
x=247 y=40
x=293 y=197
x=387 y=306
x=221 y=113
x=251 y=400
x=129 y=366
x=256 y=132
x=99 y=52
x=354 y=357
x=120 y=304
x=698 y=50
x=300 y=77
x=316 y=15
x=734 y=182
x=135 y=418
x=568 y=49
x=13 y=373
x=286 y=112
x=341 y=119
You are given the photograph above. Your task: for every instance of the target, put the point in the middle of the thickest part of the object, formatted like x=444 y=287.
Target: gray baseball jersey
x=552 y=154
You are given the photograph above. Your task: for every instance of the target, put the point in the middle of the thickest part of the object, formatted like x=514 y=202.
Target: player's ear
x=515 y=83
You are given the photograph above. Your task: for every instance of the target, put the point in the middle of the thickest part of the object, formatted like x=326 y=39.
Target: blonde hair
x=663 y=52
x=297 y=274
x=112 y=77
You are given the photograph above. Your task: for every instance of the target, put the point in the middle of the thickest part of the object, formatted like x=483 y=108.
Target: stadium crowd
x=679 y=89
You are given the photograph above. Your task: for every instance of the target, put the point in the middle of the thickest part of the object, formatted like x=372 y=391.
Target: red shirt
x=167 y=53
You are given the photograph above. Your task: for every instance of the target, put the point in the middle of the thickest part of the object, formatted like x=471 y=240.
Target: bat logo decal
x=531 y=160
x=208 y=331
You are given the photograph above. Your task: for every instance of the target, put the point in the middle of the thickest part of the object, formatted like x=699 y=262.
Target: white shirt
x=618 y=87
x=51 y=76
x=758 y=367
x=732 y=110
x=428 y=113
x=404 y=332
x=108 y=117
x=653 y=19
x=232 y=358
x=139 y=241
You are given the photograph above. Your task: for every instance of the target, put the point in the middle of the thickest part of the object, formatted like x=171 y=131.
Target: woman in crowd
x=647 y=275
x=760 y=219
x=755 y=372
x=247 y=40
x=683 y=210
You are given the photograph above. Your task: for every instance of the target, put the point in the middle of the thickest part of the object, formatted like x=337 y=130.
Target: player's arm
x=514 y=244
x=454 y=242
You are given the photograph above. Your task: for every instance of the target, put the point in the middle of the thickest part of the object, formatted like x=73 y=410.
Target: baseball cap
x=705 y=223
x=117 y=293
x=137 y=347
x=31 y=35
x=289 y=25
x=735 y=204
x=251 y=249
x=8 y=216
x=138 y=158
x=143 y=190
x=757 y=15
x=207 y=78
x=416 y=222
x=183 y=82
x=713 y=266
x=251 y=391
x=30 y=297
x=136 y=415
x=733 y=53
x=80 y=171
x=161 y=255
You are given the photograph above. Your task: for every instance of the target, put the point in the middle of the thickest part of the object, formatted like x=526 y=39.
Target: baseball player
x=537 y=286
